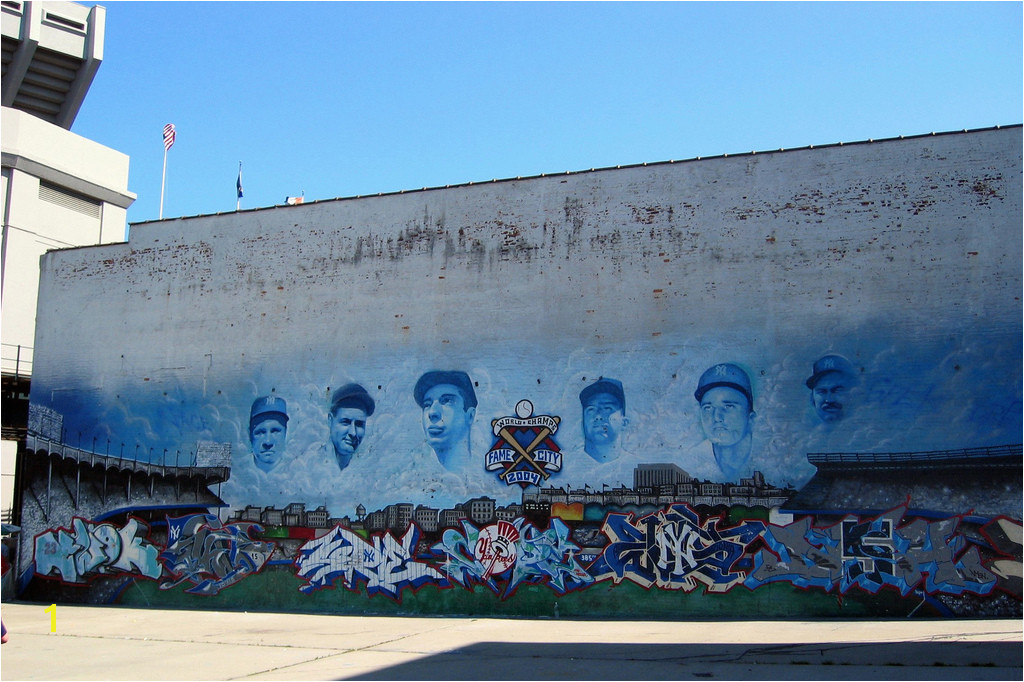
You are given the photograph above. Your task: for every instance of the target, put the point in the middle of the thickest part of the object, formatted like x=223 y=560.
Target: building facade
x=459 y=353
x=58 y=189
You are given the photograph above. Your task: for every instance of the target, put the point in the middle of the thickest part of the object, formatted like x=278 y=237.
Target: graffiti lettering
x=90 y=549
x=547 y=555
x=385 y=564
x=461 y=564
x=675 y=544
x=1005 y=535
x=540 y=557
x=872 y=554
x=209 y=555
x=867 y=552
x=672 y=550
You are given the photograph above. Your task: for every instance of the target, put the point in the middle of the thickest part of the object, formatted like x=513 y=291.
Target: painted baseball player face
x=348 y=426
x=725 y=415
x=603 y=419
x=446 y=421
x=828 y=396
x=268 y=439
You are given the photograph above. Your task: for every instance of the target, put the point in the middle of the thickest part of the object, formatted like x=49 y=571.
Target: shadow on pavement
x=953 y=660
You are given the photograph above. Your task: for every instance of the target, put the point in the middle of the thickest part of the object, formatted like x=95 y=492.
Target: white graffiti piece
x=385 y=564
x=212 y=556
x=91 y=549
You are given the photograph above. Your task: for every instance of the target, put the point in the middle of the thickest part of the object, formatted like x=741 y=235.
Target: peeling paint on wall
x=743 y=363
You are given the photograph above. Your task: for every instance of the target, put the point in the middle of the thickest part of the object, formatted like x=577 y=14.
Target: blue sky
x=338 y=99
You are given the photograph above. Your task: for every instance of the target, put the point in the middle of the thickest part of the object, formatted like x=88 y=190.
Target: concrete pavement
x=114 y=643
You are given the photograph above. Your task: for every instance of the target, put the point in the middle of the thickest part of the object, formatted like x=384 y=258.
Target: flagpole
x=163 y=182
x=238 y=188
x=168 y=142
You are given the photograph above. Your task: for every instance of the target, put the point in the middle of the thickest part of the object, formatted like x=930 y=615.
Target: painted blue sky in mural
x=338 y=99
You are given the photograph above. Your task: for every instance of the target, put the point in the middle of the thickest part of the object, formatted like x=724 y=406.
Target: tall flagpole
x=168 y=141
x=163 y=183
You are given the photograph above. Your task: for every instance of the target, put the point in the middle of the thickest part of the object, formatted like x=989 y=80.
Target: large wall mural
x=671 y=549
x=771 y=384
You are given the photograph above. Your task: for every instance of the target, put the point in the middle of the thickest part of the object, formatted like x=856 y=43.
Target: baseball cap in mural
x=268 y=407
x=830 y=363
x=610 y=386
x=725 y=374
x=454 y=377
x=352 y=395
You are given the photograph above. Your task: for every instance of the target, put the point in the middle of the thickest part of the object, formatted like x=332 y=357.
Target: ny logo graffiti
x=672 y=549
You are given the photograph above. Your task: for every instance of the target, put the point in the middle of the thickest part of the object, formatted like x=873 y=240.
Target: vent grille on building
x=68 y=199
x=9 y=46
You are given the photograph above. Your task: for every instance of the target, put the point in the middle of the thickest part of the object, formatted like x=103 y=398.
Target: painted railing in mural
x=199 y=477
x=213 y=474
x=882 y=458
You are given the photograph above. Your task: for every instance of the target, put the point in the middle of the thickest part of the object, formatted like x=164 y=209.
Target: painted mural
x=350 y=435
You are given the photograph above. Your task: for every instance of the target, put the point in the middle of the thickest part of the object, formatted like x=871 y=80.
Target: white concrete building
x=59 y=189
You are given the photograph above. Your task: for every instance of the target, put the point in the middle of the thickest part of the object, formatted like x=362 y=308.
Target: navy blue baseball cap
x=458 y=379
x=612 y=387
x=830 y=363
x=725 y=374
x=352 y=395
x=268 y=407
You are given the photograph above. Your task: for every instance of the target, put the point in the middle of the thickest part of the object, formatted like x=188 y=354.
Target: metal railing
x=16 y=359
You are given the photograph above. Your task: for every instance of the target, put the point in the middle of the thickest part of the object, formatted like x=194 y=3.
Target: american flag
x=168 y=136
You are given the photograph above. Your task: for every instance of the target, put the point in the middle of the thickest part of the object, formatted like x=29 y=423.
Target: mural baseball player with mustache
x=832 y=378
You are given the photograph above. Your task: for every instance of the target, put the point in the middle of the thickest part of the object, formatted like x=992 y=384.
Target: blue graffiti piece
x=624 y=553
x=721 y=551
x=229 y=555
x=56 y=552
x=460 y=562
x=672 y=549
x=539 y=556
x=874 y=554
x=800 y=554
x=211 y=556
x=179 y=526
x=92 y=549
x=868 y=554
x=818 y=563
x=815 y=566
x=135 y=553
x=933 y=546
